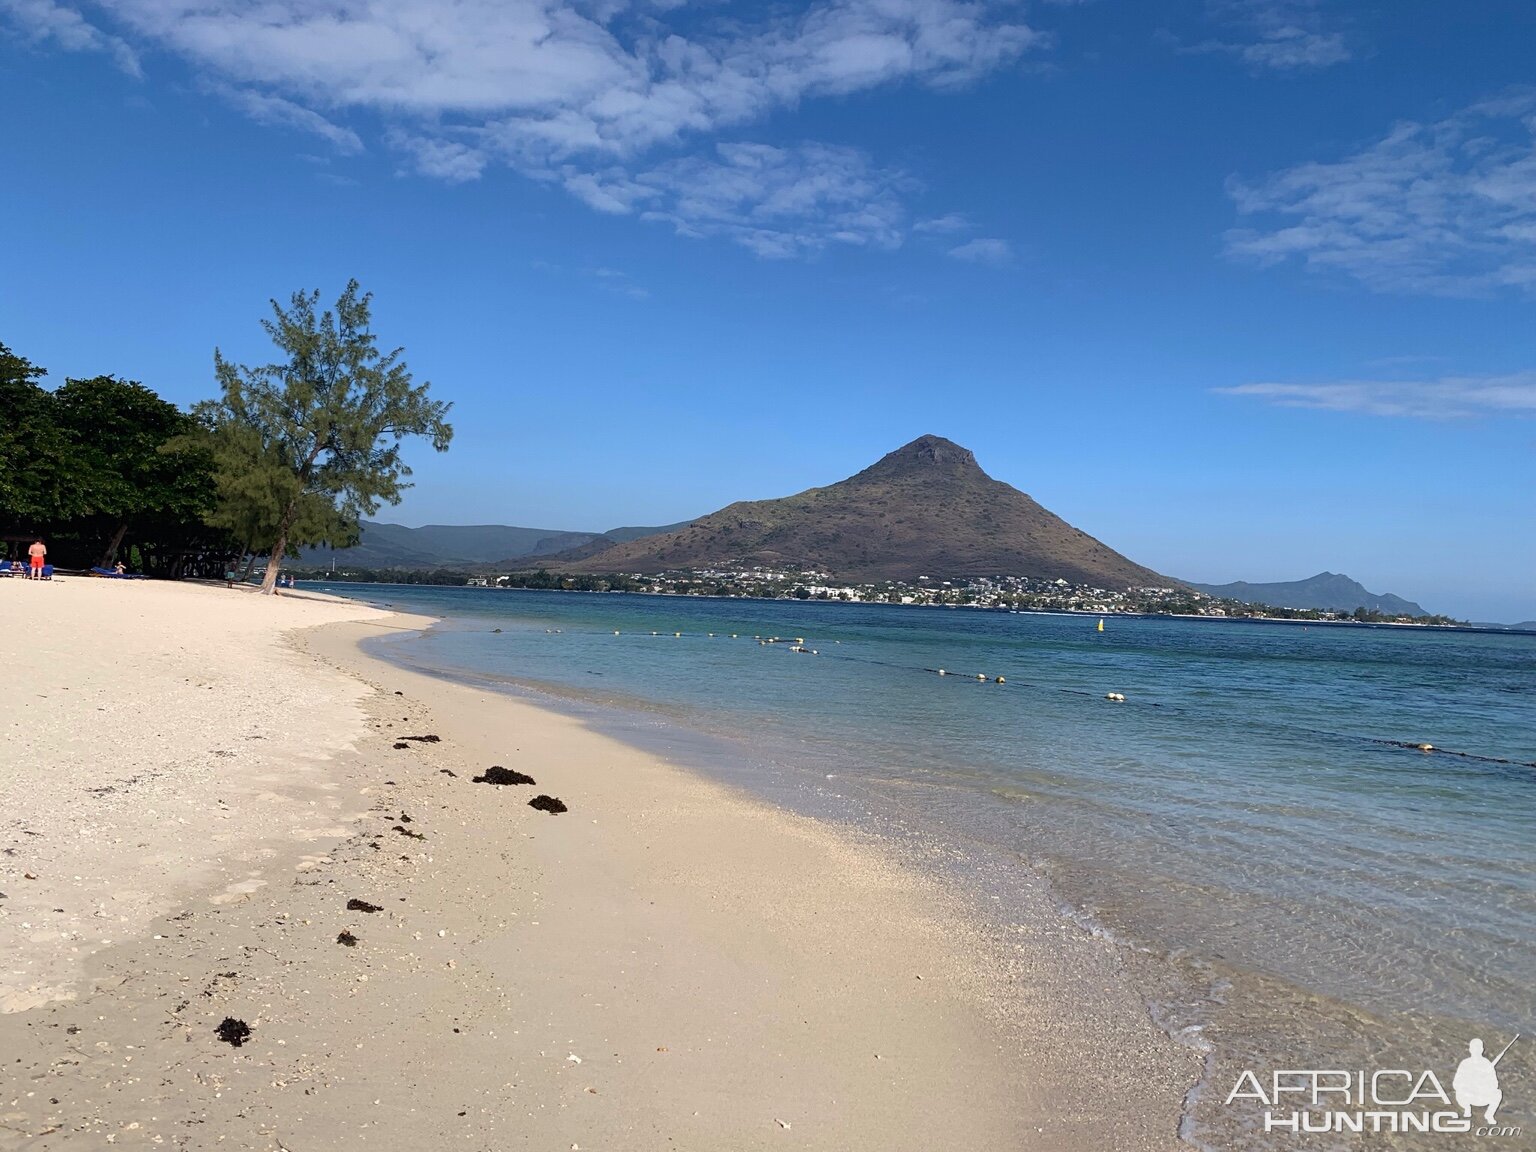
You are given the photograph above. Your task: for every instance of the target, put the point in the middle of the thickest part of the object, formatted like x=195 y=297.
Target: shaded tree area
x=99 y=468
x=291 y=454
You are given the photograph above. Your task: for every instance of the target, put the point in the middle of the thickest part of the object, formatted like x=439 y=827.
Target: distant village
x=1003 y=593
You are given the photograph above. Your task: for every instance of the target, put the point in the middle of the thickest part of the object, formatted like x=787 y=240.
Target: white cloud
x=777 y=202
x=280 y=113
x=447 y=160
x=943 y=225
x=1280 y=35
x=1449 y=397
x=48 y=22
x=1446 y=208
x=579 y=92
x=984 y=250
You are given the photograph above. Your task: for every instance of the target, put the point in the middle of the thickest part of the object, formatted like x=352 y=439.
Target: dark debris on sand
x=551 y=804
x=496 y=774
x=356 y=905
x=233 y=1032
x=430 y=738
x=401 y=744
x=345 y=937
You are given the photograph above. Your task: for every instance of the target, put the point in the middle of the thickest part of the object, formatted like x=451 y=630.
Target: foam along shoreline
x=667 y=964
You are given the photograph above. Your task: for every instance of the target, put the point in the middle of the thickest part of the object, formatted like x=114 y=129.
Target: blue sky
x=1243 y=287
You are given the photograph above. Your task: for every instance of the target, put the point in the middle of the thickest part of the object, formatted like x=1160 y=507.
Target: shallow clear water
x=1291 y=887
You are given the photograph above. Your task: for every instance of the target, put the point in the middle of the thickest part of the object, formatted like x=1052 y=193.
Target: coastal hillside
x=926 y=509
x=447 y=545
x=1330 y=590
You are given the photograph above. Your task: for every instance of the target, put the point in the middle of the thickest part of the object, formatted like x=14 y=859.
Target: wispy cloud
x=943 y=225
x=1447 y=398
x=47 y=22
x=281 y=113
x=1446 y=208
x=1277 y=35
x=984 y=250
x=608 y=279
x=777 y=202
x=579 y=92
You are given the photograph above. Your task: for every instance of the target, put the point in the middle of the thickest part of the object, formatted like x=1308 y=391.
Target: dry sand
x=667 y=965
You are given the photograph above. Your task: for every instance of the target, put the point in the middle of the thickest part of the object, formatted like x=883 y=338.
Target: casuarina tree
x=307 y=446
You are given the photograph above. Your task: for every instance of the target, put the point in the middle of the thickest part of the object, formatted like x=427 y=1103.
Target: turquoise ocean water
x=1291 y=888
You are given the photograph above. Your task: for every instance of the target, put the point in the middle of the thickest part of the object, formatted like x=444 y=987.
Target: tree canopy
x=88 y=463
x=309 y=444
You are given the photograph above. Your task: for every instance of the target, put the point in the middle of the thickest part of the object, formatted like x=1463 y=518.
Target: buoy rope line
x=798 y=644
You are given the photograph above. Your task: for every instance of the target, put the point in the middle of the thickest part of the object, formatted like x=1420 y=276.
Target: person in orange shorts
x=39 y=553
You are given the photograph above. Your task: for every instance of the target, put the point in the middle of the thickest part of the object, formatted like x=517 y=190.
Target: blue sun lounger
x=111 y=575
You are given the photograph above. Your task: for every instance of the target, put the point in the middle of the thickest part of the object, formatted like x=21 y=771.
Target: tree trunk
x=275 y=561
x=117 y=542
x=250 y=562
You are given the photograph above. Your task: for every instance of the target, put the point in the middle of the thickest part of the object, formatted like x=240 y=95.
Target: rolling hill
x=461 y=545
x=1329 y=590
x=926 y=509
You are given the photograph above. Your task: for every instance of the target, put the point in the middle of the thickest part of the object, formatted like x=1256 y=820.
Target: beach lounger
x=111 y=575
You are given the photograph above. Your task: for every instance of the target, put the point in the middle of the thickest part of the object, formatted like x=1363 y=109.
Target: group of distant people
x=37 y=559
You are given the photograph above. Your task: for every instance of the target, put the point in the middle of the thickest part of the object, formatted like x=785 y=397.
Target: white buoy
x=1000 y=680
x=942 y=672
x=981 y=675
x=615 y=631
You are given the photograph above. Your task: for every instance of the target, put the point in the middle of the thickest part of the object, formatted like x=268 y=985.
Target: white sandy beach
x=666 y=965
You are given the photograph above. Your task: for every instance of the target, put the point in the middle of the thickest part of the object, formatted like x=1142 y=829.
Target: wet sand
x=667 y=964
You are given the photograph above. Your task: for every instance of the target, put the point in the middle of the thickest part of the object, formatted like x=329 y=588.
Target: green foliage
x=119 y=468
x=32 y=452
x=309 y=445
x=87 y=464
x=253 y=490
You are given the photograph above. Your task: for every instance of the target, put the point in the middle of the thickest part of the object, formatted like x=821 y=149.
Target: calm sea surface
x=1291 y=889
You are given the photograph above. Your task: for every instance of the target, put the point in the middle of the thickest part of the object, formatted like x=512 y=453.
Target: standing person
x=39 y=553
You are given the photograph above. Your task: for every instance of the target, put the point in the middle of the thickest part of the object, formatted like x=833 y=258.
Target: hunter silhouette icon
x=1476 y=1084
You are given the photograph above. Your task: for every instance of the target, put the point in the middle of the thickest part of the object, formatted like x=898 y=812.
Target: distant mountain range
x=461 y=545
x=926 y=509
x=1330 y=590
